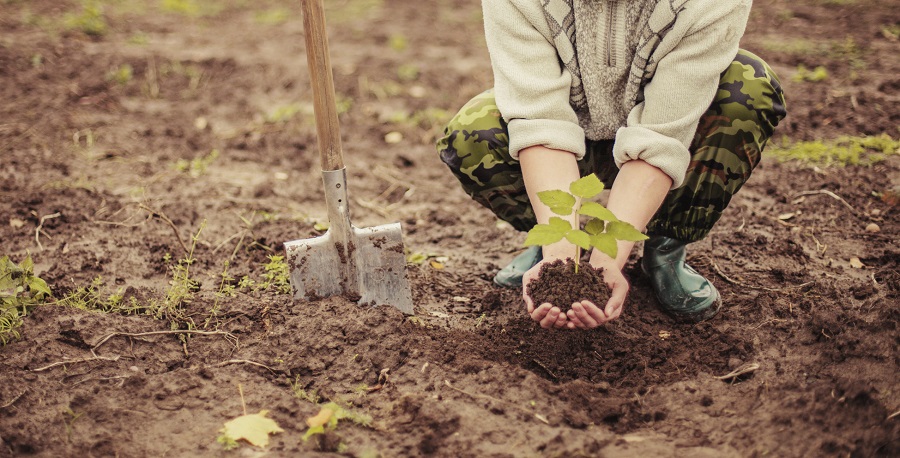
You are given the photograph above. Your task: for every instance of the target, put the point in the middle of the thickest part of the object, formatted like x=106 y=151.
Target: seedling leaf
x=595 y=226
x=579 y=238
x=253 y=428
x=587 y=187
x=545 y=234
x=560 y=224
x=595 y=210
x=624 y=231
x=605 y=243
x=560 y=202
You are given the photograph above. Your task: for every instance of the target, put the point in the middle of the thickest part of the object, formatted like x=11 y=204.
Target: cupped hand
x=587 y=315
x=548 y=315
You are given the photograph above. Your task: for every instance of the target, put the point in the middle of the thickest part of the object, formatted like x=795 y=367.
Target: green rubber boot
x=511 y=275
x=682 y=292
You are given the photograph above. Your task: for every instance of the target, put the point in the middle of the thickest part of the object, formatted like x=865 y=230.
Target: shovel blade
x=381 y=267
x=370 y=269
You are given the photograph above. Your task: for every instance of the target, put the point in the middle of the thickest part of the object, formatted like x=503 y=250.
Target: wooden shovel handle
x=322 y=85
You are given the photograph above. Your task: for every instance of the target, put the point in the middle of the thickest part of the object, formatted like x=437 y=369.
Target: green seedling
x=19 y=290
x=601 y=231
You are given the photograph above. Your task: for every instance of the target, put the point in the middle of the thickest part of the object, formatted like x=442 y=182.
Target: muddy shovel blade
x=370 y=269
x=366 y=265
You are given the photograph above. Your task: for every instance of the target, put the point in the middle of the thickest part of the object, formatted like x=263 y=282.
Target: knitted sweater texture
x=641 y=72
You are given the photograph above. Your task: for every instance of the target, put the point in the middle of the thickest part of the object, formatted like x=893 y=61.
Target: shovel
x=366 y=265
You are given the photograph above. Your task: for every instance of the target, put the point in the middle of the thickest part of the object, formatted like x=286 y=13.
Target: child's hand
x=587 y=315
x=546 y=314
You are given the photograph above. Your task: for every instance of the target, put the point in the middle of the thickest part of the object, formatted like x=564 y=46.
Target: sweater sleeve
x=531 y=86
x=660 y=129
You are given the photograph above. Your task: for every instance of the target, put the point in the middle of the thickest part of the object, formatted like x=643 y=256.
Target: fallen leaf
x=253 y=428
x=437 y=265
x=320 y=419
x=856 y=263
x=16 y=223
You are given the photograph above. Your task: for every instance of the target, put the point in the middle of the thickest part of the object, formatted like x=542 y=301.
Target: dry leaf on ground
x=253 y=428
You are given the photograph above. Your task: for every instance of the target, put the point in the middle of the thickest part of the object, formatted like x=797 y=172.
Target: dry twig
x=745 y=285
x=165 y=218
x=13 y=401
x=75 y=361
x=245 y=361
x=744 y=369
x=829 y=194
x=40 y=227
x=228 y=336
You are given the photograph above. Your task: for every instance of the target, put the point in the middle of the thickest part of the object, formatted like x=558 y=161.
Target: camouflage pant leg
x=475 y=146
x=725 y=150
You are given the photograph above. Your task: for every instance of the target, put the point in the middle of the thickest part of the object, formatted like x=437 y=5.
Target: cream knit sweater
x=641 y=72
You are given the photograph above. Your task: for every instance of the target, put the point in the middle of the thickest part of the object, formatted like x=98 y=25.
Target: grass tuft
x=842 y=151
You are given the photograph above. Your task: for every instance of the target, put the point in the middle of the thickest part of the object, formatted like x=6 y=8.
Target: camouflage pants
x=725 y=149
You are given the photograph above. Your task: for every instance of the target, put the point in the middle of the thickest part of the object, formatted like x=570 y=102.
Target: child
x=653 y=96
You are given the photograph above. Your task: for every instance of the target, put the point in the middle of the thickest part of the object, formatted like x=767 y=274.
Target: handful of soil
x=558 y=284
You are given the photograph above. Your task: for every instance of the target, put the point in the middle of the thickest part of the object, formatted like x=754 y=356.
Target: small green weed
x=328 y=418
x=181 y=288
x=197 y=166
x=19 y=290
x=891 y=32
x=91 y=21
x=408 y=72
x=139 y=39
x=272 y=17
x=813 y=76
x=283 y=113
x=398 y=42
x=277 y=276
x=842 y=151
x=95 y=298
x=121 y=75
x=300 y=393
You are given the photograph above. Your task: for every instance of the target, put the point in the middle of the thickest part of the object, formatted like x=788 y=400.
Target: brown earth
x=558 y=283
x=96 y=181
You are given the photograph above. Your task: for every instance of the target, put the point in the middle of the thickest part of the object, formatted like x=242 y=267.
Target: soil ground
x=107 y=170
